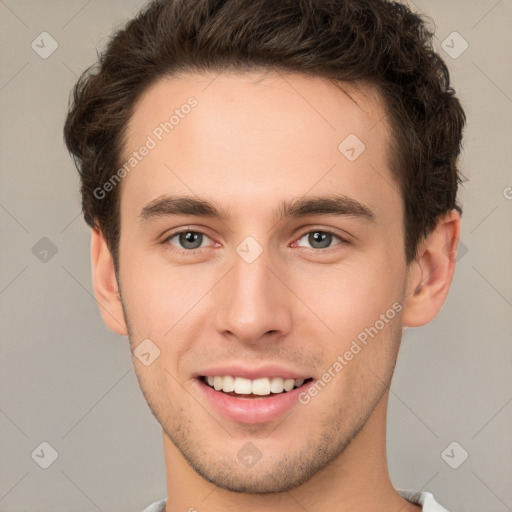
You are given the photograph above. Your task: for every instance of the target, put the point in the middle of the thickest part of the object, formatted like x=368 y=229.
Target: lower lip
x=252 y=410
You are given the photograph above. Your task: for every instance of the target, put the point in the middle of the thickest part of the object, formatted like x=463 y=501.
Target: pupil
x=189 y=237
x=322 y=237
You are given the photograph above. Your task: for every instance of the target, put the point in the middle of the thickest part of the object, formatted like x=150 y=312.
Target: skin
x=253 y=140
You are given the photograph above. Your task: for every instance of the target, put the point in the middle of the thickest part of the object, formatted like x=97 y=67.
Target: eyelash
x=343 y=241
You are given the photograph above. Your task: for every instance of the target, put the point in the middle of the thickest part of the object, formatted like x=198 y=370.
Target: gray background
x=66 y=380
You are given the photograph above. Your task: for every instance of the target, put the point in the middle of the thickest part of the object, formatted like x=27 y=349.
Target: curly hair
x=374 y=42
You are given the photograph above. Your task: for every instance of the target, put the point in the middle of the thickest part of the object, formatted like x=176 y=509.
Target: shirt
x=424 y=498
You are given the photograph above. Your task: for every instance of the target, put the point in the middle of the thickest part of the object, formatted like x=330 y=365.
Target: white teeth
x=288 y=384
x=228 y=384
x=242 y=386
x=217 y=383
x=276 y=386
x=262 y=386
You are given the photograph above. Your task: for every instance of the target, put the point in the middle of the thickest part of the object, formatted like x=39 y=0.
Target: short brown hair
x=375 y=42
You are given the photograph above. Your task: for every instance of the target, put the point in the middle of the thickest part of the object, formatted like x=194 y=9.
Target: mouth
x=253 y=395
x=242 y=388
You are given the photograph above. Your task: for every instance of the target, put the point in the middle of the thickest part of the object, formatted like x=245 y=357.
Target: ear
x=105 y=284
x=431 y=274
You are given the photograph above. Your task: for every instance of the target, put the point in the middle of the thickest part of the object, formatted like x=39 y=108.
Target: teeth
x=228 y=383
x=242 y=386
x=263 y=386
x=277 y=385
x=217 y=383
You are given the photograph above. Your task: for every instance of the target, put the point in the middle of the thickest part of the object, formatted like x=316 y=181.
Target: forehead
x=255 y=131
x=271 y=99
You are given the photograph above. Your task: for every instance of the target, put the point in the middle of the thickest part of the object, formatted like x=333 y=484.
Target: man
x=271 y=188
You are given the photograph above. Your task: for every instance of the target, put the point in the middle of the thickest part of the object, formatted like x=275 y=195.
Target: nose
x=253 y=302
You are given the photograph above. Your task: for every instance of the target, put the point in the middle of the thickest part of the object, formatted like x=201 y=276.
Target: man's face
x=249 y=290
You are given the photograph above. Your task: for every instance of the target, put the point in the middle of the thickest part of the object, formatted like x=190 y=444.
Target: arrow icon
x=44 y=45
x=454 y=455
x=454 y=45
x=146 y=352
x=351 y=147
x=44 y=250
x=44 y=455
x=249 y=253
x=249 y=455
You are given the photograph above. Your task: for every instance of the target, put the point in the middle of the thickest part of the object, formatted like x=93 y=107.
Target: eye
x=187 y=239
x=320 y=239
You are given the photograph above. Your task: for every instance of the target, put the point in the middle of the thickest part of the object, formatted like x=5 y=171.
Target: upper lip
x=268 y=370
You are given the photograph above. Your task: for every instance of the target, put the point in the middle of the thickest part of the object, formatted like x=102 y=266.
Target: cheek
x=362 y=307
x=157 y=382
x=160 y=298
x=349 y=299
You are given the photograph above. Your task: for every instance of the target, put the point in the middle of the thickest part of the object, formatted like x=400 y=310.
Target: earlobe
x=105 y=284
x=431 y=274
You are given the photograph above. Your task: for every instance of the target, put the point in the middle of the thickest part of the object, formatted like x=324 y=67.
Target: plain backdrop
x=67 y=381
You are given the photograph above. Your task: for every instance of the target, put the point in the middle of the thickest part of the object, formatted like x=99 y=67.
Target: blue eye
x=320 y=239
x=188 y=239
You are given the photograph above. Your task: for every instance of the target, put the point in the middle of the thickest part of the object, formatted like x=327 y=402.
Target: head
x=258 y=109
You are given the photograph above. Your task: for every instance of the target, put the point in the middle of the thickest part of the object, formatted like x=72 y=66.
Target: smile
x=265 y=386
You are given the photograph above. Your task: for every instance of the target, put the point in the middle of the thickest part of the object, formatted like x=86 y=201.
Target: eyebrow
x=333 y=204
